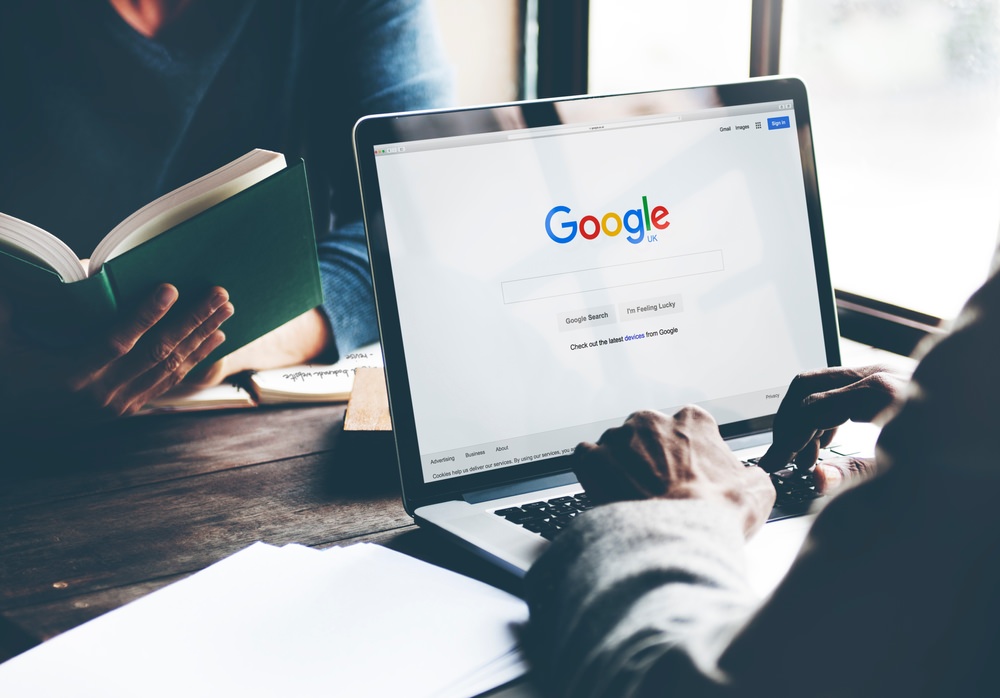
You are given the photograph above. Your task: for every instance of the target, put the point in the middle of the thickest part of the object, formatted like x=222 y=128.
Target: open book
x=302 y=384
x=247 y=227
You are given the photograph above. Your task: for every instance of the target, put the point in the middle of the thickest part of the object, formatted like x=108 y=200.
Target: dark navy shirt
x=97 y=120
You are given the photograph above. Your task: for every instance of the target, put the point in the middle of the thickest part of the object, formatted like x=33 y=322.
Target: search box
x=631 y=274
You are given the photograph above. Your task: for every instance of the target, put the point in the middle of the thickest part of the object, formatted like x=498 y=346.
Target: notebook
x=543 y=269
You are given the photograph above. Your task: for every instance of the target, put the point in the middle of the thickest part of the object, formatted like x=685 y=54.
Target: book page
x=184 y=398
x=40 y=247
x=186 y=202
x=314 y=382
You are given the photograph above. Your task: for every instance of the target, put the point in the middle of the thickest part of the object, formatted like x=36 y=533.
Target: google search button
x=774 y=122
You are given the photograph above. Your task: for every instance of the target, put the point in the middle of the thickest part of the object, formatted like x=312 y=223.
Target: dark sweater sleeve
x=382 y=56
x=893 y=593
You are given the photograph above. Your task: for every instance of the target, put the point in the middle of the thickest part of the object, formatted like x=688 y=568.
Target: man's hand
x=141 y=357
x=297 y=341
x=679 y=457
x=816 y=404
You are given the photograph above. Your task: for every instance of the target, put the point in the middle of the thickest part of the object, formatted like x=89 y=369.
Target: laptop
x=543 y=269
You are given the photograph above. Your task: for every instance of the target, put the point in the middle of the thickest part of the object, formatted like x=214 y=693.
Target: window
x=905 y=101
x=651 y=44
x=906 y=114
x=483 y=41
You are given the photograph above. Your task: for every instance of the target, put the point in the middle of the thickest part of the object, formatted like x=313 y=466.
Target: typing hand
x=816 y=404
x=679 y=457
x=141 y=357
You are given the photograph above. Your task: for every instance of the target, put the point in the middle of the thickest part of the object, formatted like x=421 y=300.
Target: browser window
x=551 y=281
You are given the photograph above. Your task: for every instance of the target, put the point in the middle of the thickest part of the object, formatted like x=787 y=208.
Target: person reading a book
x=120 y=101
x=893 y=593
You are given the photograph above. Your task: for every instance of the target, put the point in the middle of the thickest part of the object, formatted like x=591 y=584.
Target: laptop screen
x=627 y=253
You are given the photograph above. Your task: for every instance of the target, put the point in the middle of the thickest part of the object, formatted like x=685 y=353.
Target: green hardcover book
x=246 y=227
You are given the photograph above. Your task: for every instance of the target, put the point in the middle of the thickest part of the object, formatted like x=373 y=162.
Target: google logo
x=636 y=222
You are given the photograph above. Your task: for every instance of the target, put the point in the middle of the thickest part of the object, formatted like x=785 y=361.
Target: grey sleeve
x=892 y=594
x=636 y=584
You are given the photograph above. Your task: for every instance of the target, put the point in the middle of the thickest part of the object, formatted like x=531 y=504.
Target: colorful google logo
x=636 y=222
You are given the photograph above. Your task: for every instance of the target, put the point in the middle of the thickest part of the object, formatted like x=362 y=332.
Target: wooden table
x=90 y=523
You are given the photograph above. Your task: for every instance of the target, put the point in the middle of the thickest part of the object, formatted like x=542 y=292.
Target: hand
x=816 y=404
x=139 y=358
x=680 y=457
x=297 y=341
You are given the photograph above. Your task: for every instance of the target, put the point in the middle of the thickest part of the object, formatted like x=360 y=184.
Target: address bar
x=560 y=130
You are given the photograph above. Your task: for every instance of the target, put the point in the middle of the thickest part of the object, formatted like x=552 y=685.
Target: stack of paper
x=291 y=621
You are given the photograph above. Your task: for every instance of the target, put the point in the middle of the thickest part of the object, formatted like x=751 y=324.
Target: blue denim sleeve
x=388 y=57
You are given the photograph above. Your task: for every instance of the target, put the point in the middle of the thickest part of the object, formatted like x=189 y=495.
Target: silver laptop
x=543 y=269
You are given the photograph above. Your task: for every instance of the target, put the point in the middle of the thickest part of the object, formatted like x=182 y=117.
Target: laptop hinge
x=516 y=488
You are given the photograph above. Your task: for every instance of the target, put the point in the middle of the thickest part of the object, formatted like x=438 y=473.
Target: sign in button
x=774 y=122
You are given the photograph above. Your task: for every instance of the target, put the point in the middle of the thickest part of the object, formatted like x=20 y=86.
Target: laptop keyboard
x=547 y=517
x=794 y=487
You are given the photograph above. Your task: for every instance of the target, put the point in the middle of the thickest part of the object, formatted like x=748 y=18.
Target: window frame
x=562 y=69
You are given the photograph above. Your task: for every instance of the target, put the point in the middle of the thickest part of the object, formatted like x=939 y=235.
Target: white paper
x=293 y=621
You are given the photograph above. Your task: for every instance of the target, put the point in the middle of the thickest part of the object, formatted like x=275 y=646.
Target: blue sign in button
x=774 y=122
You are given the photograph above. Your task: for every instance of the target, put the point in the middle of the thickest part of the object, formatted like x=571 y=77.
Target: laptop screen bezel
x=375 y=130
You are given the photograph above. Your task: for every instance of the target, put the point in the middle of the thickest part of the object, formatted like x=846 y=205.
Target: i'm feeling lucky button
x=664 y=305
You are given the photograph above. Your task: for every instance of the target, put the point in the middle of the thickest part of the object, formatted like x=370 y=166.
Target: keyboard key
x=793 y=486
x=547 y=518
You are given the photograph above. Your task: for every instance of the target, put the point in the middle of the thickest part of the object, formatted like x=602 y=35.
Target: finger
x=831 y=475
x=124 y=337
x=595 y=474
x=861 y=401
x=823 y=400
x=700 y=424
x=185 y=356
x=169 y=380
x=200 y=352
x=807 y=455
x=827 y=437
x=822 y=413
x=159 y=346
x=116 y=387
x=698 y=417
x=606 y=469
x=637 y=451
